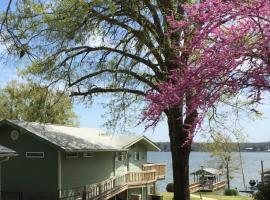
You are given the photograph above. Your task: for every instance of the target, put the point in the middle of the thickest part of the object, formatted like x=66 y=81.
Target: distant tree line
x=246 y=147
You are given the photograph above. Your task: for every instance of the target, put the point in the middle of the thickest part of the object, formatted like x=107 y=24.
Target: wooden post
x=262 y=174
x=202 y=168
x=127 y=195
x=84 y=193
x=154 y=188
x=0 y=182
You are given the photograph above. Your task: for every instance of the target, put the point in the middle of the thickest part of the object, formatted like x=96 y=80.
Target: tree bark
x=180 y=154
x=228 y=176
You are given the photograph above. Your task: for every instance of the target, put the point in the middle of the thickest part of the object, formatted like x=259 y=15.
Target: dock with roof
x=207 y=179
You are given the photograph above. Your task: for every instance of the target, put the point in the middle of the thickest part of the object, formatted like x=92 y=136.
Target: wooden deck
x=118 y=184
x=160 y=168
x=195 y=187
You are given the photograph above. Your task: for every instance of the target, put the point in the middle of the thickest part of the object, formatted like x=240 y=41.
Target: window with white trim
x=121 y=156
x=72 y=155
x=137 y=155
x=88 y=154
x=34 y=154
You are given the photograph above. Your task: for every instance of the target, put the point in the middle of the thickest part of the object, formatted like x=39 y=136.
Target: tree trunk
x=180 y=155
x=228 y=176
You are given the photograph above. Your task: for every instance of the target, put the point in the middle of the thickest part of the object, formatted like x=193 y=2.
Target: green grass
x=169 y=195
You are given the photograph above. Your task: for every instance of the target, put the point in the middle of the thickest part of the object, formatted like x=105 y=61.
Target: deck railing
x=194 y=187
x=111 y=187
x=218 y=185
x=159 y=168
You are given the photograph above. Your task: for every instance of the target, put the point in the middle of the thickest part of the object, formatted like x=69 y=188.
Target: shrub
x=263 y=193
x=169 y=187
x=230 y=192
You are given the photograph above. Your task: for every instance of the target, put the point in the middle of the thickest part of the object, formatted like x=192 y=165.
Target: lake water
x=251 y=166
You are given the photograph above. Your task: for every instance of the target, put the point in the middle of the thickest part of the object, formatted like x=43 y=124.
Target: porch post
x=0 y=182
x=127 y=194
x=154 y=188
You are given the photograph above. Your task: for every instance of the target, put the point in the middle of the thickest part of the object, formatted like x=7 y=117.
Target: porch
x=111 y=187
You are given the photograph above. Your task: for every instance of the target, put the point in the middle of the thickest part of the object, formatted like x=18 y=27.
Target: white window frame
x=32 y=156
x=88 y=154
x=121 y=155
x=139 y=154
x=68 y=155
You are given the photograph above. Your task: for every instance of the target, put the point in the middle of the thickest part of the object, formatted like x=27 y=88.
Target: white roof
x=207 y=171
x=80 y=139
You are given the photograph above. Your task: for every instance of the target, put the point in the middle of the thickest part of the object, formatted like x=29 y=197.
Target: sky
x=256 y=130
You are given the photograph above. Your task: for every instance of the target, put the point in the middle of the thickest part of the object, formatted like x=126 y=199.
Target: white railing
x=111 y=187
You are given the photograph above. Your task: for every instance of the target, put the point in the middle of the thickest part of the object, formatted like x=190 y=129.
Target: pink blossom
x=229 y=53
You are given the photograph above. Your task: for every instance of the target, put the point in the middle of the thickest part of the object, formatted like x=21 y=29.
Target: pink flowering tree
x=223 y=51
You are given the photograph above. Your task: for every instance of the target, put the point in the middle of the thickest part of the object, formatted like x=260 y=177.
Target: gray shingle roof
x=79 y=139
x=207 y=171
x=4 y=151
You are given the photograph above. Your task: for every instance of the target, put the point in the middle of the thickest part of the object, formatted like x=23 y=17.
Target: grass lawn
x=168 y=196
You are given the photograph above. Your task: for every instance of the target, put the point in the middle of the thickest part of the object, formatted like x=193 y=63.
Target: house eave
x=152 y=146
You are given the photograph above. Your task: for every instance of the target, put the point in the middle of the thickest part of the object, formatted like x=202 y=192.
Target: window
x=137 y=155
x=34 y=154
x=88 y=154
x=72 y=155
x=121 y=156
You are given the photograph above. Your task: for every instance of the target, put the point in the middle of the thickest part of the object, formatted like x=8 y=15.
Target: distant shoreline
x=244 y=147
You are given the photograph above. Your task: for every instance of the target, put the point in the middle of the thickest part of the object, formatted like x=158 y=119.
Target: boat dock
x=207 y=180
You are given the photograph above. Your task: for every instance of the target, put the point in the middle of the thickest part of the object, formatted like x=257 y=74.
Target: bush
x=169 y=187
x=230 y=192
x=263 y=192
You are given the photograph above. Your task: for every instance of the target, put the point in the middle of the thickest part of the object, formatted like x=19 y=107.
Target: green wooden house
x=60 y=162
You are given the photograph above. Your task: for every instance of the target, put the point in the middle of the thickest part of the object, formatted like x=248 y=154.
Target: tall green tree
x=106 y=47
x=34 y=103
x=223 y=149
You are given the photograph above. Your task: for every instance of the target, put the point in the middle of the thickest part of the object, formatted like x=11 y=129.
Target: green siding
x=77 y=172
x=136 y=165
x=25 y=174
x=120 y=166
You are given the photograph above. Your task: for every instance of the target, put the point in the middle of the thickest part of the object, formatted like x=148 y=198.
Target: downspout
x=1 y=161
x=59 y=174
x=127 y=160
x=114 y=164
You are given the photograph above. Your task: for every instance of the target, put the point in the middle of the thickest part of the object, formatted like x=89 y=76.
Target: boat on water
x=268 y=150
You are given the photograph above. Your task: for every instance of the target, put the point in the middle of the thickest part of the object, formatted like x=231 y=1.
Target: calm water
x=251 y=165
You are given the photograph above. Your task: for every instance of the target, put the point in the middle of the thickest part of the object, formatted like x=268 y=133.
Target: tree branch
x=122 y=71
x=108 y=90
x=103 y=48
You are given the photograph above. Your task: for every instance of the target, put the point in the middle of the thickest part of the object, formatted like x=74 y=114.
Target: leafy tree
x=34 y=103
x=223 y=149
x=263 y=192
x=182 y=65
